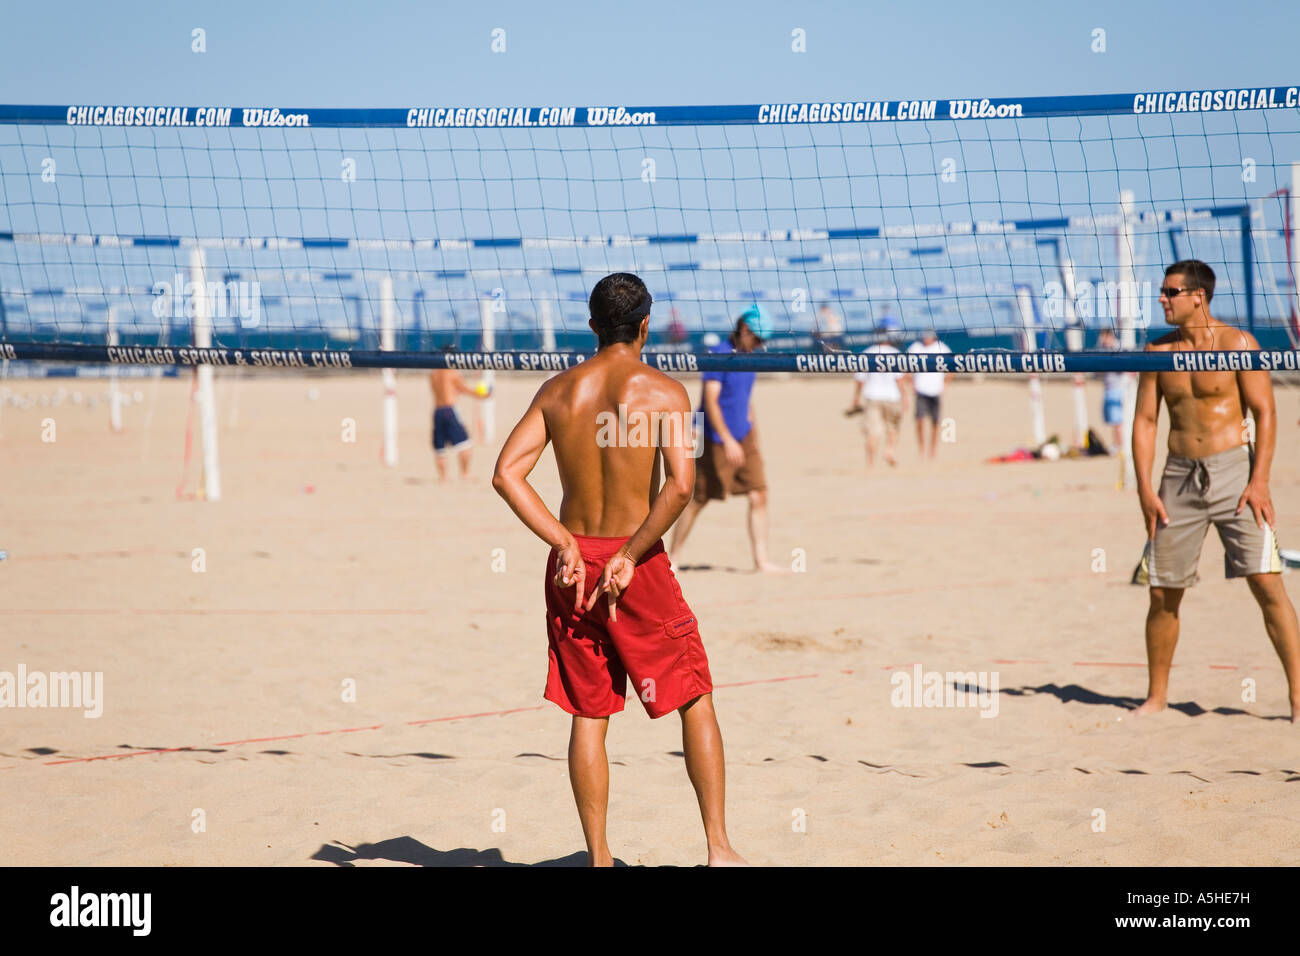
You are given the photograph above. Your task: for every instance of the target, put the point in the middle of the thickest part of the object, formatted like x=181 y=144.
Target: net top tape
x=993 y=361
x=826 y=112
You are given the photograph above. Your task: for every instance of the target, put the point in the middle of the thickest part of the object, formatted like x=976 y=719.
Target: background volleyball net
x=324 y=237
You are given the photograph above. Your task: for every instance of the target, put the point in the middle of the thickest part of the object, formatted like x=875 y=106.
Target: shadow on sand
x=1073 y=693
x=412 y=851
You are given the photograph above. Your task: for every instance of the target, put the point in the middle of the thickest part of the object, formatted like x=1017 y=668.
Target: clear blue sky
x=384 y=53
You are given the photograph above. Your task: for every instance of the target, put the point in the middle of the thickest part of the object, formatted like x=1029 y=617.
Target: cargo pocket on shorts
x=681 y=626
x=684 y=632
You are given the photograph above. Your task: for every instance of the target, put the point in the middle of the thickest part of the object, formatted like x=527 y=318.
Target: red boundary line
x=352 y=730
x=520 y=710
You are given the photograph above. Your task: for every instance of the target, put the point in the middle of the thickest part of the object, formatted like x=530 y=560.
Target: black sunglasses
x=1169 y=292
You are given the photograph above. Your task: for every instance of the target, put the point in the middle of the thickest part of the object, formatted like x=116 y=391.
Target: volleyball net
x=430 y=237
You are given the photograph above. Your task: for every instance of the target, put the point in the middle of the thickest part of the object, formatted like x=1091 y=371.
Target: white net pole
x=547 y=319
x=1294 y=199
x=387 y=342
x=1268 y=277
x=210 y=485
x=1025 y=303
x=114 y=393
x=1127 y=315
x=1074 y=343
x=486 y=409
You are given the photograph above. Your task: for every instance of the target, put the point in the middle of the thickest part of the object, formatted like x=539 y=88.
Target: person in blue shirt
x=1112 y=405
x=731 y=462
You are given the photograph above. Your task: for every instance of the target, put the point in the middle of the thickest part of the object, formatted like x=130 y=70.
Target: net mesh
x=831 y=227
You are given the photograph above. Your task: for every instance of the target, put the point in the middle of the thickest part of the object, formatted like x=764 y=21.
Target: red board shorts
x=655 y=641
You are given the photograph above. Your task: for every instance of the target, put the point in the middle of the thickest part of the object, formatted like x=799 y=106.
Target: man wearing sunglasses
x=1212 y=476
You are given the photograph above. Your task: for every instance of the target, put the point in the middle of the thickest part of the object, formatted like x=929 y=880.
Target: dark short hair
x=617 y=305
x=1198 y=275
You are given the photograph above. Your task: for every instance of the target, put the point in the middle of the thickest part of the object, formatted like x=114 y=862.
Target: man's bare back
x=608 y=487
x=604 y=418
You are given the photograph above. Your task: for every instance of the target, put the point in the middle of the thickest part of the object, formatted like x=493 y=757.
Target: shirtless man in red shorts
x=613 y=420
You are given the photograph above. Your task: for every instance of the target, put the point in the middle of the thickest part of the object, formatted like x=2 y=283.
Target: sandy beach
x=354 y=676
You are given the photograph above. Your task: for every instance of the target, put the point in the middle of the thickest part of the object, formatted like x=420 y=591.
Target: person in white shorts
x=929 y=390
x=881 y=397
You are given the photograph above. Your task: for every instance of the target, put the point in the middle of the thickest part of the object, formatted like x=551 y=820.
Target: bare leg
x=1162 y=638
x=920 y=435
x=934 y=436
x=871 y=448
x=589 y=775
x=1283 y=630
x=442 y=467
x=1122 y=453
x=464 y=462
x=702 y=745
x=758 y=531
x=891 y=444
x=685 y=521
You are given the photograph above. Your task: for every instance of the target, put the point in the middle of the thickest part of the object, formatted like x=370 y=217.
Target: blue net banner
x=830 y=363
x=990 y=227
x=810 y=113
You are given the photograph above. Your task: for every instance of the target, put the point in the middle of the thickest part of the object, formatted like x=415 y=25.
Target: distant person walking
x=1112 y=402
x=881 y=397
x=929 y=390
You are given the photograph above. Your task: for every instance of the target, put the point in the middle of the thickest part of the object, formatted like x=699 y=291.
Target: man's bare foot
x=1295 y=711
x=725 y=856
x=602 y=859
x=767 y=567
x=1150 y=706
x=893 y=462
